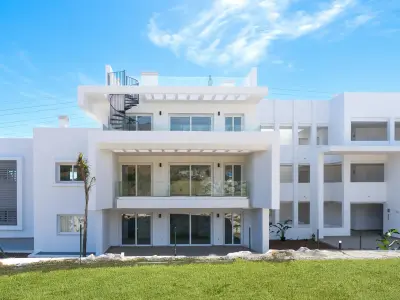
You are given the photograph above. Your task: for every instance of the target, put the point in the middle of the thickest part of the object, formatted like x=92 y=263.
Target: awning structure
x=357 y=149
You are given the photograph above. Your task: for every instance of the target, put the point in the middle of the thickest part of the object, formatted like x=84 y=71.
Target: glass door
x=233 y=180
x=136 y=229
x=136 y=180
x=179 y=226
x=190 y=180
x=190 y=229
x=233 y=229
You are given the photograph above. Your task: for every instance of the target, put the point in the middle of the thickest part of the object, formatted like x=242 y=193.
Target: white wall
x=337 y=117
x=371 y=107
x=52 y=145
x=21 y=148
x=260 y=230
x=392 y=207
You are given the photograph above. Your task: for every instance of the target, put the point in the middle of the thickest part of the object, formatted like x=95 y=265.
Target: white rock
x=303 y=249
x=239 y=254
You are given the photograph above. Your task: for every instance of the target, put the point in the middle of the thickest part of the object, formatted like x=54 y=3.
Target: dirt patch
x=296 y=244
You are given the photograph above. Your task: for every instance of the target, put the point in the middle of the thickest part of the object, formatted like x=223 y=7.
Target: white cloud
x=359 y=20
x=239 y=32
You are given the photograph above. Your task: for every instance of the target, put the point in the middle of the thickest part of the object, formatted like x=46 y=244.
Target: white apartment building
x=202 y=161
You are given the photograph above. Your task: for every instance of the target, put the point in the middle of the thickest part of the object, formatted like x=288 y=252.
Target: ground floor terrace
x=141 y=228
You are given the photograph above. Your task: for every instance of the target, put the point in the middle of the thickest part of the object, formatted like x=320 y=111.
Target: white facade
x=209 y=160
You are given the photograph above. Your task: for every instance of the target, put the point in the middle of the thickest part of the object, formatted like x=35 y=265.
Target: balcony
x=225 y=194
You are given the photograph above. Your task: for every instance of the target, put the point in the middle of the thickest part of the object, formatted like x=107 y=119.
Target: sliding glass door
x=190 y=180
x=136 y=229
x=233 y=229
x=190 y=229
x=136 y=180
x=233 y=180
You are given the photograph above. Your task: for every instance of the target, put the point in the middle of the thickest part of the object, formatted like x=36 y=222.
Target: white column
x=98 y=219
x=295 y=175
x=346 y=206
x=313 y=135
x=317 y=194
x=391 y=128
x=265 y=232
x=295 y=192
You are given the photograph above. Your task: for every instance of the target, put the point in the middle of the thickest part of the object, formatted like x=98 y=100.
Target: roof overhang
x=89 y=95
x=340 y=150
x=191 y=142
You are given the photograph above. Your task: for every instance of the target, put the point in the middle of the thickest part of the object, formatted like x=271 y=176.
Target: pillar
x=317 y=194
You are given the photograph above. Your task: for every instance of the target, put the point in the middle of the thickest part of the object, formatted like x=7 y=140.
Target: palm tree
x=88 y=181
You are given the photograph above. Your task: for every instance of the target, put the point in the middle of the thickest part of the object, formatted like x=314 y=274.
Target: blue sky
x=303 y=49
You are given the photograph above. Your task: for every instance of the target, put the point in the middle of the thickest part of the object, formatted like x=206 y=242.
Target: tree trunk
x=85 y=223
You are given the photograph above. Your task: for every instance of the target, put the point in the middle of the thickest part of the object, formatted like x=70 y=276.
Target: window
x=304 y=174
x=304 y=133
x=286 y=135
x=286 y=212
x=333 y=173
x=397 y=131
x=367 y=173
x=322 y=135
x=69 y=172
x=69 y=223
x=304 y=213
x=190 y=180
x=233 y=123
x=191 y=123
x=369 y=131
x=333 y=214
x=286 y=173
x=138 y=123
x=136 y=180
x=8 y=193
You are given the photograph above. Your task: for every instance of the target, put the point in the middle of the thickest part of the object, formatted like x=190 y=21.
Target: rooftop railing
x=120 y=78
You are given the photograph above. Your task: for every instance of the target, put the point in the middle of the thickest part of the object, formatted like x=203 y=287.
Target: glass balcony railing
x=226 y=188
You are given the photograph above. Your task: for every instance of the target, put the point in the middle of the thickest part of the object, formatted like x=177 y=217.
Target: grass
x=353 y=279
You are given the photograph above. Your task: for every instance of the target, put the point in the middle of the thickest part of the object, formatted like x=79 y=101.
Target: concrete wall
x=260 y=230
x=391 y=213
x=51 y=146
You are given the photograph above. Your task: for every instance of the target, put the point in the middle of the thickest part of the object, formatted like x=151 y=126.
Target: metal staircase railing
x=121 y=103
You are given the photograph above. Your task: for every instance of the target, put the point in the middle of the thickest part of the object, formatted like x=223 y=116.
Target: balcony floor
x=181 y=250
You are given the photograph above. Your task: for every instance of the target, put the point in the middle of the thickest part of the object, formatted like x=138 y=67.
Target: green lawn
x=362 y=279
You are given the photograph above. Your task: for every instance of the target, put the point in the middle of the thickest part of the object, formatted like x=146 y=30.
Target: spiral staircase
x=121 y=103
